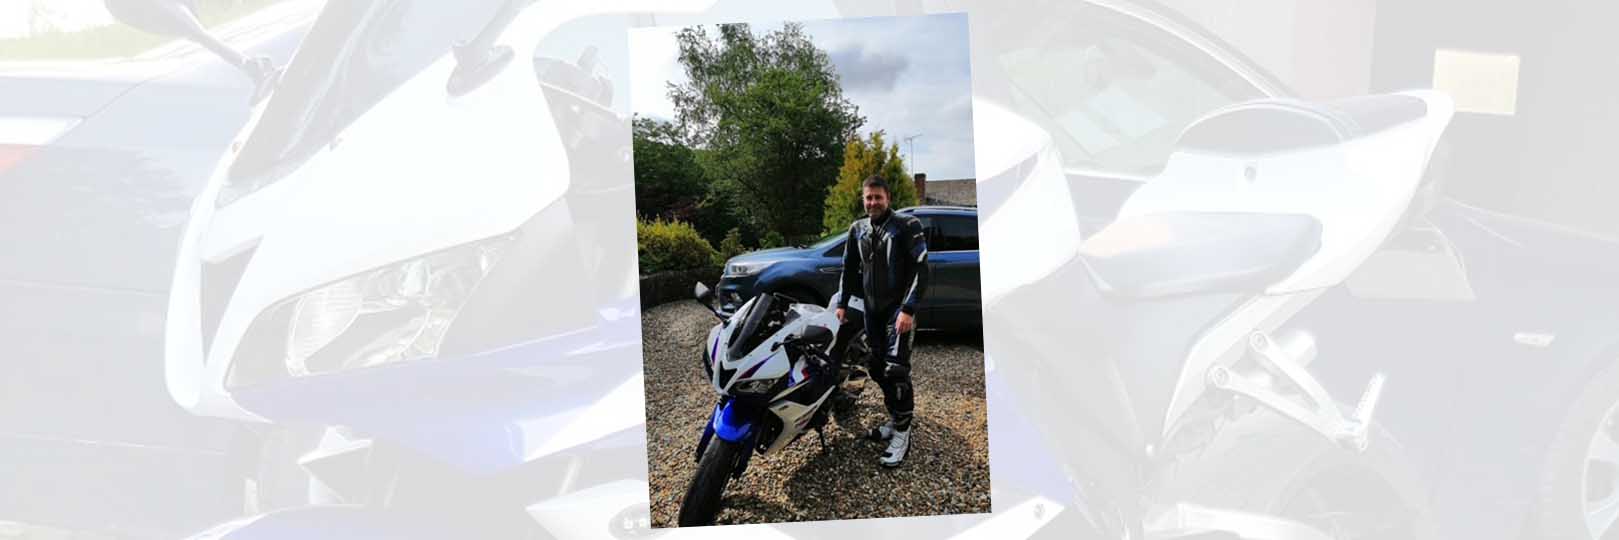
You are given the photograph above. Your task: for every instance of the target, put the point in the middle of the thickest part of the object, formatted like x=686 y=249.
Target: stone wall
x=960 y=192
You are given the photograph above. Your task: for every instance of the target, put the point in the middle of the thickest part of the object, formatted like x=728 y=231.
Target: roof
x=939 y=209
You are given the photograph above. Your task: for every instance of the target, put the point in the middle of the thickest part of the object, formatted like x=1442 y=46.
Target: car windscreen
x=829 y=239
x=355 y=54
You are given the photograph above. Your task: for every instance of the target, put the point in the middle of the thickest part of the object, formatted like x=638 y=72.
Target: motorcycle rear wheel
x=1271 y=465
x=702 y=501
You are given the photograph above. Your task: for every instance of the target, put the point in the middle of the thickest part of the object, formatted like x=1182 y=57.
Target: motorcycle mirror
x=178 y=18
x=706 y=298
x=175 y=18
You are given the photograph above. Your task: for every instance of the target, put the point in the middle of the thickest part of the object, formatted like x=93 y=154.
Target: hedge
x=664 y=246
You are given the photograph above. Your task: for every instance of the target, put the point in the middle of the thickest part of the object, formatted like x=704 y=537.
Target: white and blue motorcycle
x=772 y=365
x=401 y=283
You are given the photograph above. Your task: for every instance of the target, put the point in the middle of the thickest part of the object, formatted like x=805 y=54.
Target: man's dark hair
x=875 y=181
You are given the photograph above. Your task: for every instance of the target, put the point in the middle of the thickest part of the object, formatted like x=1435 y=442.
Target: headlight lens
x=397 y=313
x=745 y=269
x=756 y=386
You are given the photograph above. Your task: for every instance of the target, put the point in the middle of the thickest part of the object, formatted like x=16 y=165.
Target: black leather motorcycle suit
x=885 y=260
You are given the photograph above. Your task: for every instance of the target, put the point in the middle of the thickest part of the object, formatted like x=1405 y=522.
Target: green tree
x=770 y=117
x=669 y=184
x=863 y=158
x=731 y=246
x=717 y=215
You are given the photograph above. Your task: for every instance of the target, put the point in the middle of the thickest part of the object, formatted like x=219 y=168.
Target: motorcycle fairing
x=729 y=423
x=333 y=523
x=1358 y=188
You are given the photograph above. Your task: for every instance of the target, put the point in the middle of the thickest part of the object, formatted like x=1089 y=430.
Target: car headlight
x=397 y=313
x=756 y=386
x=745 y=269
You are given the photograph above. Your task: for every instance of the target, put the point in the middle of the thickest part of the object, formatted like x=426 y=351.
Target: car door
x=952 y=299
x=829 y=270
x=1115 y=90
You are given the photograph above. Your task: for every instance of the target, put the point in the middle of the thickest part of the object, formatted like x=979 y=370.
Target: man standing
x=885 y=258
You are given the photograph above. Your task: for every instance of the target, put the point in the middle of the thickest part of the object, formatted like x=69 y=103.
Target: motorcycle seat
x=1276 y=125
x=1176 y=253
x=1365 y=115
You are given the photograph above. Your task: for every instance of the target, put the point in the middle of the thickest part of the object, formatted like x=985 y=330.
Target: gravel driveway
x=947 y=471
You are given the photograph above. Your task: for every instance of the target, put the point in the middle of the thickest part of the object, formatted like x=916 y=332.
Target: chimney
x=921 y=188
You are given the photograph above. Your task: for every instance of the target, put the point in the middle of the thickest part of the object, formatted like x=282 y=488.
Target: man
x=885 y=259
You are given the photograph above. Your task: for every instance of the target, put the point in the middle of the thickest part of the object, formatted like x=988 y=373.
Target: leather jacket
x=886 y=260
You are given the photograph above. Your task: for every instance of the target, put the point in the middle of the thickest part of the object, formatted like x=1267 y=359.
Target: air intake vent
x=219 y=282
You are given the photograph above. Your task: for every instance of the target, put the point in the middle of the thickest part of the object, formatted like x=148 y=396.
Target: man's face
x=876 y=200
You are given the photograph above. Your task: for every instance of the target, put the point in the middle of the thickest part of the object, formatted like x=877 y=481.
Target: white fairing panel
x=1358 y=190
x=418 y=172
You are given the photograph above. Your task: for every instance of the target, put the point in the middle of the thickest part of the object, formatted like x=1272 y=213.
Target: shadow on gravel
x=844 y=481
x=747 y=504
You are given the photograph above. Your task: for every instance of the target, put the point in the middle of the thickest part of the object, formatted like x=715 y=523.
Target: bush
x=772 y=239
x=731 y=246
x=671 y=245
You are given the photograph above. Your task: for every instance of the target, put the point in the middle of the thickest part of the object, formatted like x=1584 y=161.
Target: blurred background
x=1536 y=83
x=107 y=133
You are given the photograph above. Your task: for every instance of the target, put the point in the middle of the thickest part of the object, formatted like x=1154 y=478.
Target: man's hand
x=905 y=323
x=841 y=320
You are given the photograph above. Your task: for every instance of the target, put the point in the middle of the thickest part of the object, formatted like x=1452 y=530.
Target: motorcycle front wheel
x=702 y=502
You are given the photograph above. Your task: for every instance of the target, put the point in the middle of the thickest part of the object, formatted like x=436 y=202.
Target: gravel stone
x=946 y=472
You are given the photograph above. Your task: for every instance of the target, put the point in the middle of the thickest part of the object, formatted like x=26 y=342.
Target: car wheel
x=1579 y=488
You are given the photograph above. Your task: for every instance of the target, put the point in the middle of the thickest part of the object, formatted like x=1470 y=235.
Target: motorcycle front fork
x=748 y=440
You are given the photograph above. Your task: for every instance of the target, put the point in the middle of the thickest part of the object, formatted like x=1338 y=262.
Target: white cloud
x=908 y=75
x=654 y=63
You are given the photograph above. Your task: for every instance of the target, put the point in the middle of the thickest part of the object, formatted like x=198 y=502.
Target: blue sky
x=908 y=75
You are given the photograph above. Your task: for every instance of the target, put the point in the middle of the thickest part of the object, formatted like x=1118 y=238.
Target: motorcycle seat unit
x=1267 y=126
x=1179 y=253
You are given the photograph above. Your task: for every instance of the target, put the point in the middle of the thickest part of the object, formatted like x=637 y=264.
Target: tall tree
x=669 y=183
x=863 y=158
x=770 y=117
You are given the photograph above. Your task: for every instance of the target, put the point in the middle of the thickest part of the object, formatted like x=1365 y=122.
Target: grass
x=117 y=40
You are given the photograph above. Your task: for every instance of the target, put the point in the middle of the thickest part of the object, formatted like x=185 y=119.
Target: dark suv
x=810 y=274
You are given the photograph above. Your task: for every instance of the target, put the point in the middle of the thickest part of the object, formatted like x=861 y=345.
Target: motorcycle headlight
x=745 y=269
x=397 y=313
x=756 y=386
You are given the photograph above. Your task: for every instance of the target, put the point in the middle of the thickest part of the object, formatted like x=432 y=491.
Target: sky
x=907 y=75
